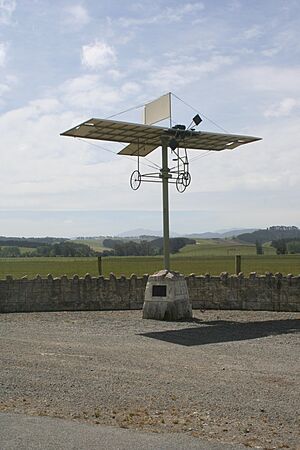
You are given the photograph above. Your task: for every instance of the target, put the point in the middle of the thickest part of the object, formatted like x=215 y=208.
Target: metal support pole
x=165 y=192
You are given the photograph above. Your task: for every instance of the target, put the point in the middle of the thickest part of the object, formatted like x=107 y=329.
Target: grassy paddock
x=19 y=267
x=206 y=264
x=222 y=247
x=95 y=244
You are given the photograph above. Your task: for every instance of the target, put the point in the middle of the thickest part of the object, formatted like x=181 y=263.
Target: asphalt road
x=21 y=432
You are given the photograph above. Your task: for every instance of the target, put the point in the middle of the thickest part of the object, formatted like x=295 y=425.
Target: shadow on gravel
x=225 y=331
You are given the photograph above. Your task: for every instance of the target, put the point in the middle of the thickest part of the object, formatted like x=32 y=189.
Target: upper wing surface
x=143 y=139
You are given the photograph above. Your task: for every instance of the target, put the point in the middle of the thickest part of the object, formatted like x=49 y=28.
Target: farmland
x=222 y=247
x=203 y=247
x=95 y=244
x=58 y=266
x=206 y=256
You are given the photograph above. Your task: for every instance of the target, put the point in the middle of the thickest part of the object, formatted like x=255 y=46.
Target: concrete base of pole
x=167 y=297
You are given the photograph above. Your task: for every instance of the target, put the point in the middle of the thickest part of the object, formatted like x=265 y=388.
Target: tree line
x=73 y=249
x=65 y=248
x=270 y=234
x=28 y=242
x=143 y=248
x=285 y=246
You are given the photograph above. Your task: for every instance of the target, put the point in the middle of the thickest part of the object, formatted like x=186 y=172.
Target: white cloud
x=3 y=53
x=45 y=171
x=3 y=88
x=234 y=5
x=167 y=15
x=76 y=15
x=269 y=78
x=7 y=7
x=131 y=88
x=256 y=171
x=6 y=85
x=89 y=92
x=180 y=73
x=42 y=166
x=191 y=7
x=6 y=80
x=284 y=108
x=98 y=55
x=45 y=106
x=253 y=32
x=42 y=169
x=269 y=52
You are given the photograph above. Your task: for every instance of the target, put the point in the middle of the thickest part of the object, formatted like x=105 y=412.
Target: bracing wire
x=97 y=146
x=147 y=159
x=172 y=121
x=207 y=153
x=129 y=109
x=152 y=166
x=201 y=156
x=125 y=111
x=197 y=111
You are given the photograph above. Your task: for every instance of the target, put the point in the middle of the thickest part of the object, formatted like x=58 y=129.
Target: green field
x=19 y=267
x=203 y=247
x=206 y=256
x=222 y=247
x=95 y=244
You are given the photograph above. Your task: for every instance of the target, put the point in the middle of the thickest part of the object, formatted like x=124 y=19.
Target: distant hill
x=138 y=232
x=142 y=232
x=270 y=234
x=221 y=235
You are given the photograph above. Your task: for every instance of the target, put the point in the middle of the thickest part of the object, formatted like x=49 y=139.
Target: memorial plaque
x=159 y=291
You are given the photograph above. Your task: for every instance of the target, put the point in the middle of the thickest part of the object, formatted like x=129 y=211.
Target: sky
x=236 y=62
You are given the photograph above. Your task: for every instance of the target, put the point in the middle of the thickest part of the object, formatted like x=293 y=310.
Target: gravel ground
x=226 y=376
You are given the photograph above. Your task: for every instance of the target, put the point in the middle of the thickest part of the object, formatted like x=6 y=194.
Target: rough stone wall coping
x=224 y=276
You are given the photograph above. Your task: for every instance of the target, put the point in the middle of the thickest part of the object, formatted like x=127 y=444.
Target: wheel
x=135 y=180
x=180 y=186
x=186 y=179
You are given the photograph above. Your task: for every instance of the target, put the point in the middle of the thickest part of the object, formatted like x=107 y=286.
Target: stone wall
x=268 y=292
x=256 y=292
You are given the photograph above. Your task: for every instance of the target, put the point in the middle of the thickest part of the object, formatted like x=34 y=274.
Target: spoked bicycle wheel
x=135 y=180
x=186 y=179
x=180 y=183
